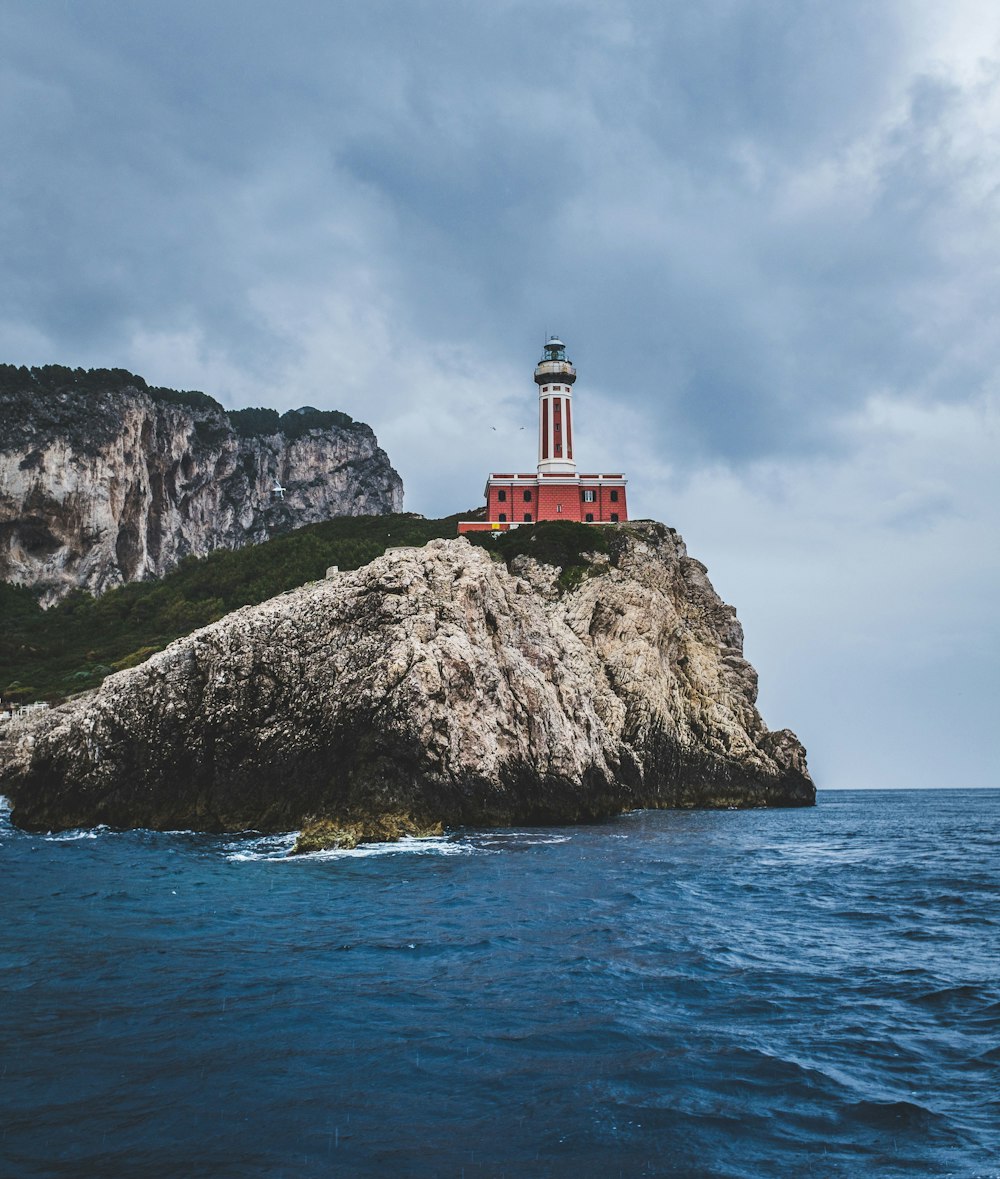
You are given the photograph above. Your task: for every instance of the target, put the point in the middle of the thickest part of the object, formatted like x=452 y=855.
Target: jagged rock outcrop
x=431 y=686
x=107 y=481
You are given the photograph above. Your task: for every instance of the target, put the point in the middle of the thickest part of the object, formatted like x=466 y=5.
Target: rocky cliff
x=104 y=480
x=433 y=686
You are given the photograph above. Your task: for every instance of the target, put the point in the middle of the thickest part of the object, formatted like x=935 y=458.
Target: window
x=614 y=496
x=501 y=496
x=558 y=507
x=527 y=497
x=588 y=497
x=589 y=517
x=502 y=517
x=614 y=517
x=527 y=517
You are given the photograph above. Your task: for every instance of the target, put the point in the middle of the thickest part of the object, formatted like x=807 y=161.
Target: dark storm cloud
x=506 y=167
x=614 y=167
x=742 y=216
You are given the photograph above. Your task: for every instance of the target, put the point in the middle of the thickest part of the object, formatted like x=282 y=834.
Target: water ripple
x=713 y=994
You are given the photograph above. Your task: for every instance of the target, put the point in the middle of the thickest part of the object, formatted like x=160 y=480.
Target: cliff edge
x=433 y=686
x=105 y=480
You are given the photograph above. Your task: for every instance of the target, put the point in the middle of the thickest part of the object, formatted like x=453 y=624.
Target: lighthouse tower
x=555 y=491
x=554 y=376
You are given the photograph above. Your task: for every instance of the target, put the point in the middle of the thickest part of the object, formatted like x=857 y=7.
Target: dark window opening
x=614 y=517
x=614 y=497
x=527 y=497
x=527 y=517
x=589 y=517
x=502 y=517
x=501 y=496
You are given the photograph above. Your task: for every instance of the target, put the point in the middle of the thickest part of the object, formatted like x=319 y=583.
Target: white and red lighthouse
x=555 y=490
x=555 y=376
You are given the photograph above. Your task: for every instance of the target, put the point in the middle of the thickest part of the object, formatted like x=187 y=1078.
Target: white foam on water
x=493 y=839
x=261 y=847
x=423 y=845
x=276 y=848
x=78 y=833
x=481 y=843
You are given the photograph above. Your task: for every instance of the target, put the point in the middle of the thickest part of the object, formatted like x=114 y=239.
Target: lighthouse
x=555 y=490
x=555 y=376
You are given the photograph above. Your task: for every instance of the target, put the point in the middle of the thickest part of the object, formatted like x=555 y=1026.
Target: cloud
x=768 y=233
x=866 y=583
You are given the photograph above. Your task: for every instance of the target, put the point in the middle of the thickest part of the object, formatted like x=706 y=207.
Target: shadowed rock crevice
x=431 y=687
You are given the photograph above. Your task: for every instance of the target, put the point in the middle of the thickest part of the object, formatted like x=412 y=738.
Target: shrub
x=297 y=422
x=188 y=398
x=255 y=422
x=135 y=658
x=562 y=543
x=82 y=639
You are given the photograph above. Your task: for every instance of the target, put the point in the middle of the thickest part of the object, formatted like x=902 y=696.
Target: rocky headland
x=105 y=480
x=432 y=687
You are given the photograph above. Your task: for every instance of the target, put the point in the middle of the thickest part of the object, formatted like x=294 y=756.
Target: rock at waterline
x=435 y=684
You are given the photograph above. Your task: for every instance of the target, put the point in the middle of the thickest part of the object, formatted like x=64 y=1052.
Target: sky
x=767 y=230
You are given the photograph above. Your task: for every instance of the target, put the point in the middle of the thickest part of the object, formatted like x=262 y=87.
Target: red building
x=555 y=491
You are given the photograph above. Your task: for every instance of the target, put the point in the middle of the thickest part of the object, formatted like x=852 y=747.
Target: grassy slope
x=49 y=654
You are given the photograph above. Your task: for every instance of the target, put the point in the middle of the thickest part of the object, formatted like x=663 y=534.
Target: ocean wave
x=608 y=1005
x=895 y=1115
x=507 y=839
x=277 y=849
x=76 y=833
x=962 y=993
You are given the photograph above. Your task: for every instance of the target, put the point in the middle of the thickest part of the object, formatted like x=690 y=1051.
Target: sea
x=806 y=992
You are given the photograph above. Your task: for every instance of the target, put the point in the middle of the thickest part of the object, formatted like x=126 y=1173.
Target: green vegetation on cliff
x=255 y=423
x=49 y=654
x=563 y=543
x=57 y=380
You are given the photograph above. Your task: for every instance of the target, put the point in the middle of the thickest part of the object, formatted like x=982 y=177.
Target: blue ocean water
x=805 y=992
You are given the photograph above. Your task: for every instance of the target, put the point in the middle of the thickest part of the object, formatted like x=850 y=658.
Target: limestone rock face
x=102 y=488
x=432 y=684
